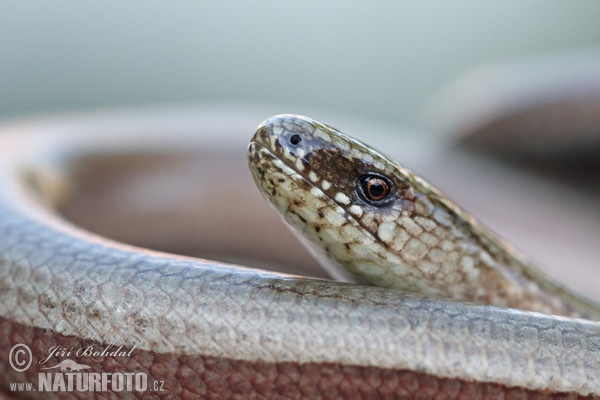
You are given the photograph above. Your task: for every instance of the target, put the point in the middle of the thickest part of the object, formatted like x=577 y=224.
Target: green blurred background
x=381 y=59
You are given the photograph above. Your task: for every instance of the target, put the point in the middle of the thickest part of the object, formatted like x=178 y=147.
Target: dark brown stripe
x=196 y=377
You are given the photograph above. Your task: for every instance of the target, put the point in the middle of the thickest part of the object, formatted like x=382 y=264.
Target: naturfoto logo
x=69 y=375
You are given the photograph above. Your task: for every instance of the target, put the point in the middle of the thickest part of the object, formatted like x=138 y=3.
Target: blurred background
x=382 y=60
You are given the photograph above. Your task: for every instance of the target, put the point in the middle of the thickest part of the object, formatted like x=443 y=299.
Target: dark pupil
x=295 y=139
x=376 y=188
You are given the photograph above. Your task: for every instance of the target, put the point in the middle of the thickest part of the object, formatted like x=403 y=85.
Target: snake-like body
x=213 y=330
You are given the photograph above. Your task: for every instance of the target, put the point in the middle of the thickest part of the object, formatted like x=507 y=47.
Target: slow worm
x=207 y=329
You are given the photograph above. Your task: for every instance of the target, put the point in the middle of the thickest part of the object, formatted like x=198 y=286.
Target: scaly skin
x=418 y=241
x=216 y=331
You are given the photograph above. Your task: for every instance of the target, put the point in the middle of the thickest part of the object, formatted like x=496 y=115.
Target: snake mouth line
x=295 y=174
x=302 y=176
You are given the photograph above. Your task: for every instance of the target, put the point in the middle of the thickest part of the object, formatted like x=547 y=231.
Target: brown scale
x=476 y=267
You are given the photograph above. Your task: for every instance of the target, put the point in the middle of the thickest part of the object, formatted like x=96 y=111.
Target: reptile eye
x=295 y=139
x=374 y=189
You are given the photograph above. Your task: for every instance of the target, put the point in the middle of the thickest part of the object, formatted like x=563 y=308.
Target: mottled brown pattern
x=217 y=329
x=417 y=240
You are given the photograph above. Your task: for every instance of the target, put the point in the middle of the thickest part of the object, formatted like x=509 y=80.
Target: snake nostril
x=295 y=139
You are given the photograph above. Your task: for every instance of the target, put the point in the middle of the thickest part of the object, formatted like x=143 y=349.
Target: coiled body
x=213 y=330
